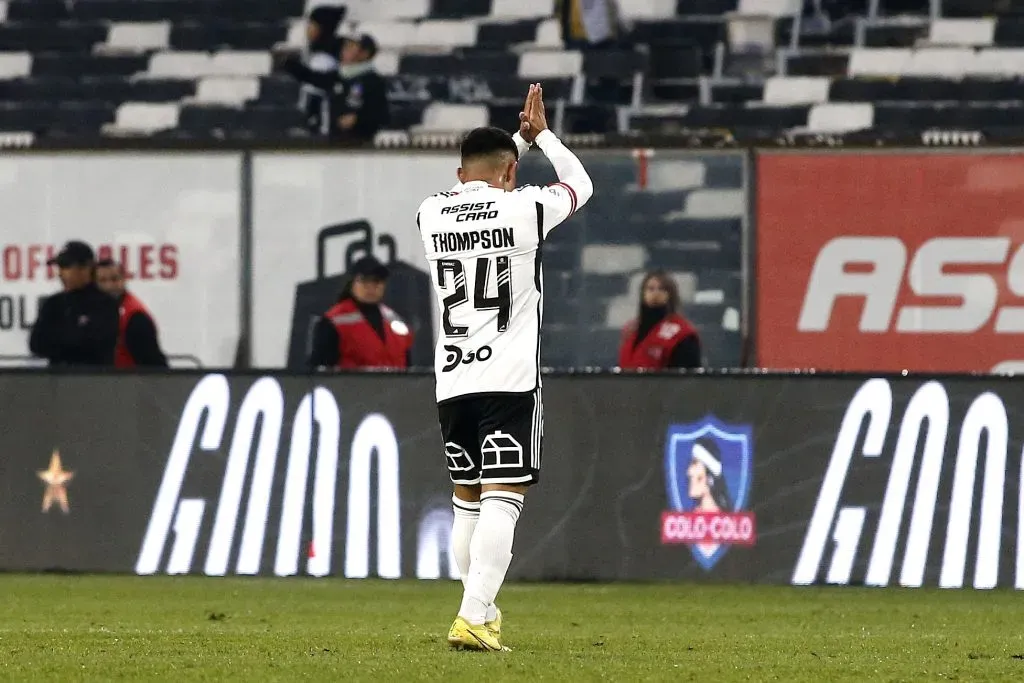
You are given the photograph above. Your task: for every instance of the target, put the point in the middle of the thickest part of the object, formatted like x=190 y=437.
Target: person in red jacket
x=137 y=340
x=660 y=337
x=360 y=332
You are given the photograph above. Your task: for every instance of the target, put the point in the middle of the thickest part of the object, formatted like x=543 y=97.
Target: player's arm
x=574 y=187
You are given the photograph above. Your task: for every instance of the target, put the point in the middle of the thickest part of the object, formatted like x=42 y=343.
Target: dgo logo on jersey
x=708 y=468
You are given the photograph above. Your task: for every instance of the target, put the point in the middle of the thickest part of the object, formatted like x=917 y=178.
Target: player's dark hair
x=668 y=283
x=106 y=263
x=482 y=142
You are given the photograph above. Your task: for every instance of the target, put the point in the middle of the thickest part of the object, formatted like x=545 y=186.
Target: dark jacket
x=76 y=328
x=364 y=94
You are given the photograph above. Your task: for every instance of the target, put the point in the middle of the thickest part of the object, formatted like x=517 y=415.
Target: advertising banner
x=171 y=220
x=890 y=261
x=911 y=481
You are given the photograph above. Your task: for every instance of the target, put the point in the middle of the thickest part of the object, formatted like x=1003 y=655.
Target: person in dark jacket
x=660 y=337
x=360 y=332
x=323 y=48
x=77 y=326
x=358 y=94
x=138 y=344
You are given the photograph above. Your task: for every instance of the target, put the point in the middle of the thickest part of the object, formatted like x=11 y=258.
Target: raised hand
x=533 y=120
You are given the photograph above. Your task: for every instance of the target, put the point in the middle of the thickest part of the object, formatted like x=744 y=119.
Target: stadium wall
x=843 y=479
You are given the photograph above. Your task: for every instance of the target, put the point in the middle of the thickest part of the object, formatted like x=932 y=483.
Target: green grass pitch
x=71 y=628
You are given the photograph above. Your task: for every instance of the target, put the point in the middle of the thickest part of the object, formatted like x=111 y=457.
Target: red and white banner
x=171 y=220
x=886 y=262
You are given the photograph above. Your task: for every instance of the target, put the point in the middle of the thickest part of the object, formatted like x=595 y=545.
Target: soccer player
x=483 y=242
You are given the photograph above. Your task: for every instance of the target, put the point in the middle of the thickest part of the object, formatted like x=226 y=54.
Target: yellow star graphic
x=55 y=479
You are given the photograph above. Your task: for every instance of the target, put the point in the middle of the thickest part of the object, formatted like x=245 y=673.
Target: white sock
x=490 y=552
x=466 y=515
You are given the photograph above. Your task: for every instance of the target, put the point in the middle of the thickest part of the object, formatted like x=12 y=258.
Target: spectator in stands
x=137 y=341
x=660 y=337
x=77 y=326
x=359 y=99
x=588 y=23
x=322 y=50
x=360 y=332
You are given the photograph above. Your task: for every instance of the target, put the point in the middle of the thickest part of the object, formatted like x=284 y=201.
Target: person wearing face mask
x=360 y=332
x=660 y=337
x=77 y=326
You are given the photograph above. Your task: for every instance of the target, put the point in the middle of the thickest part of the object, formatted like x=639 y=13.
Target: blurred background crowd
x=652 y=277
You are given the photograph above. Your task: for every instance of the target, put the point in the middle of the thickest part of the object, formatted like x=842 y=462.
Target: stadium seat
x=547 y=64
x=840 y=117
x=967 y=32
x=444 y=34
x=15 y=65
x=522 y=9
x=230 y=91
x=648 y=9
x=440 y=117
x=787 y=91
x=143 y=118
x=179 y=65
x=129 y=37
x=232 y=63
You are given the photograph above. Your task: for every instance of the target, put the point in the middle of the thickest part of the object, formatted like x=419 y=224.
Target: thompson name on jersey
x=483 y=245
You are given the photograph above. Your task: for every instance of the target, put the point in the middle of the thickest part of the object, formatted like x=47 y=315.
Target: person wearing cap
x=358 y=94
x=77 y=326
x=137 y=340
x=360 y=332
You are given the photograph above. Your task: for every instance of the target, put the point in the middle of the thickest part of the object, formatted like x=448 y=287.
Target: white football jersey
x=483 y=246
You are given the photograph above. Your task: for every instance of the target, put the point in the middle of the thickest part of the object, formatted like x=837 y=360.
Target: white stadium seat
x=547 y=64
x=15 y=65
x=232 y=63
x=796 y=90
x=997 y=62
x=144 y=118
x=840 y=118
x=390 y=34
x=613 y=259
x=878 y=61
x=386 y=63
x=375 y=10
x=451 y=118
x=969 y=32
x=182 y=65
x=229 y=91
x=715 y=204
x=131 y=37
x=769 y=8
x=944 y=62
x=522 y=9
x=442 y=33
x=549 y=34
x=647 y=9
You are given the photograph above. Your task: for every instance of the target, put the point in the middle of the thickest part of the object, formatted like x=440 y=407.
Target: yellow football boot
x=495 y=625
x=465 y=636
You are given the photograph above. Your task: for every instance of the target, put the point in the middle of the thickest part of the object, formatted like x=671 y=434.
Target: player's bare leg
x=466 y=508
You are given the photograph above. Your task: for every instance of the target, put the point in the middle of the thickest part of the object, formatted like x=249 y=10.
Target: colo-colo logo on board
x=264 y=404
x=927 y=418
